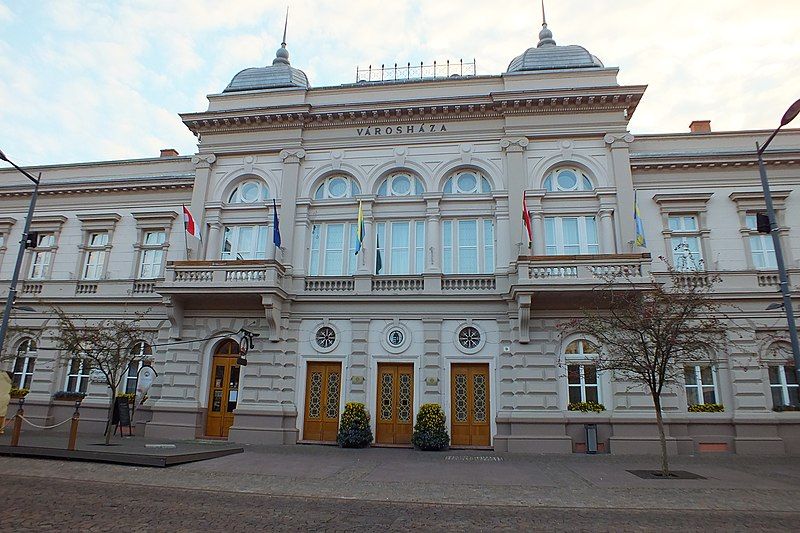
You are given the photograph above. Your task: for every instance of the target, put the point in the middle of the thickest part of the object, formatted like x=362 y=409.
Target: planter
x=18 y=393
x=65 y=396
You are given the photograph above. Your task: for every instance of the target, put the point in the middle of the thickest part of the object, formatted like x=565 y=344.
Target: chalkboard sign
x=122 y=415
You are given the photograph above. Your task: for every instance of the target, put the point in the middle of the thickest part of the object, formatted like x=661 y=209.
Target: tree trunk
x=662 y=435
x=109 y=423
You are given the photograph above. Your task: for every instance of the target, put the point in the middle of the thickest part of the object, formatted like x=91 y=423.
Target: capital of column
x=292 y=155
x=514 y=144
x=203 y=160
x=618 y=140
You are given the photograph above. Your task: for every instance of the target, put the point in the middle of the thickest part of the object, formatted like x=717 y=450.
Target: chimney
x=172 y=152
x=700 y=126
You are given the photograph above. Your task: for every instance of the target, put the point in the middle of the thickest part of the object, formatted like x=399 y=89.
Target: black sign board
x=122 y=415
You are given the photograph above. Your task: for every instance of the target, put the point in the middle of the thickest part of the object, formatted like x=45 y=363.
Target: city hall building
x=446 y=302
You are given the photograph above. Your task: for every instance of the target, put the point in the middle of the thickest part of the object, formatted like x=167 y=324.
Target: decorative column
x=516 y=179
x=433 y=234
x=300 y=233
x=536 y=209
x=606 y=228
x=290 y=177
x=619 y=148
x=365 y=260
x=202 y=164
x=213 y=240
x=503 y=248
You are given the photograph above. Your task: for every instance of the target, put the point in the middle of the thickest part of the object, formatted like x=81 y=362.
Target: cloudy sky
x=96 y=80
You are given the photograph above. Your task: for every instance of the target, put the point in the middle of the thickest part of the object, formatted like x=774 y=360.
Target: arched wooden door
x=223 y=393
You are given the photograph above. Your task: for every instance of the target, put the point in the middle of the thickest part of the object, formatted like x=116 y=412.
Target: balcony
x=582 y=272
x=247 y=276
x=55 y=289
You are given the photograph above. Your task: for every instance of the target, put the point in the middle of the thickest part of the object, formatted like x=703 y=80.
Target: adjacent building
x=446 y=301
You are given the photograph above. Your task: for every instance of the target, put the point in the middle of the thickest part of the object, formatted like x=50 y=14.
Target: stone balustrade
x=561 y=270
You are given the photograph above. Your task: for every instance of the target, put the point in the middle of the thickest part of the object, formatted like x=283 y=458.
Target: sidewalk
x=462 y=477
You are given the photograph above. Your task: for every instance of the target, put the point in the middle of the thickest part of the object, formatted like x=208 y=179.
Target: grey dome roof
x=547 y=55
x=278 y=75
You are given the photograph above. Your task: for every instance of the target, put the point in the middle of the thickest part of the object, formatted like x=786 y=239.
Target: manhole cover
x=472 y=458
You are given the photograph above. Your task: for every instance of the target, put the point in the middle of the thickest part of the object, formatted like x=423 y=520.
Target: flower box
x=18 y=393
x=69 y=396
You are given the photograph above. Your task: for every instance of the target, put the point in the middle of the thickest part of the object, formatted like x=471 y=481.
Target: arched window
x=24 y=364
x=401 y=184
x=467 y=182
x=582 y=382
x=139 y=351
x=249 y=192
x=339 y=186
x=567 y=179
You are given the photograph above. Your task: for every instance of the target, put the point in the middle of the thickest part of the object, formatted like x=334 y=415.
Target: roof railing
x=409 y=72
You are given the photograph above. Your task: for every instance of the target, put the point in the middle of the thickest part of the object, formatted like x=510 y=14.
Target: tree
x=106 y=344
x=648 y=335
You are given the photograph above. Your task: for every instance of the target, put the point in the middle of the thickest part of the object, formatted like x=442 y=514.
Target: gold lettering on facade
x=410 y=129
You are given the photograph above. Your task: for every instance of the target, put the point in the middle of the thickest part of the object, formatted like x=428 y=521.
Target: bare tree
x=647 y=335
x=106 y=344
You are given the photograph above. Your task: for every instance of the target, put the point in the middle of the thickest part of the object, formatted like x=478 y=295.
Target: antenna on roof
x=544 y=19
x=286 y=24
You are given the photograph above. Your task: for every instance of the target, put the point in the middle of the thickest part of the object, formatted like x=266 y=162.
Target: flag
x=378 y=260
x=190 y=225
x=276 y=230
x=359 y=229
x=526 y=218
x=637 y=220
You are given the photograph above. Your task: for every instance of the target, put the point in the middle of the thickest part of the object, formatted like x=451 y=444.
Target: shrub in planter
x=18 y=393
x=69 y=396
x=130 y=396
x=706 y=408
x=586 y=407
x=430 y=432
x=354 y=430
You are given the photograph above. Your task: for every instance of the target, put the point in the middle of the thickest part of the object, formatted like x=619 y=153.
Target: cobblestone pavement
x=37 y=504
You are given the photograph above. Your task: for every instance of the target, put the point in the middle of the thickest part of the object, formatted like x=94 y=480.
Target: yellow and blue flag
x=360 y=229
x=637 y=220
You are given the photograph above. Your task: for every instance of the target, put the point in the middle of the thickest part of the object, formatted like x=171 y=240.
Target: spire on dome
x=282 y=55
x=545 y=35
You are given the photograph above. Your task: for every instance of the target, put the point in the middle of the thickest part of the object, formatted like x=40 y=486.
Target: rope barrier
x=46 y=427
x=9 y=421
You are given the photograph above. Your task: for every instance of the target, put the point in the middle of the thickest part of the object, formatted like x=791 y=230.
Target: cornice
x=719 y=160
x=94 y=187
x=451 y=109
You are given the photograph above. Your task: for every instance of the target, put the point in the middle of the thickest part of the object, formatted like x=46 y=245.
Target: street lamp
x=12 y=289
x=789 y=116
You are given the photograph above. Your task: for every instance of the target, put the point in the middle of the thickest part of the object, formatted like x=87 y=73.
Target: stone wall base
x=264 y=427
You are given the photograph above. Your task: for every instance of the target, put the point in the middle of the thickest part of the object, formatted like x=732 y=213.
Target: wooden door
x=323 y=384
x=469 y=401
x=395 y=410
x=223 y=392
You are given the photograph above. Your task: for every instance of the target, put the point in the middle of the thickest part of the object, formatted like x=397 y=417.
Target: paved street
x=35 y=504
x=327 y=488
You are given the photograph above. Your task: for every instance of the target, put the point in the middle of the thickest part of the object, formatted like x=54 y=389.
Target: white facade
x=439 y=168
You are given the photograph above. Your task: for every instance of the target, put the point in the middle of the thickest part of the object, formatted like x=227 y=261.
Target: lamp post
x=790 y=115
x=12 y=289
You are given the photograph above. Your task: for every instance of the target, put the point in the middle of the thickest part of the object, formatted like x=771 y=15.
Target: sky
x=101 y=80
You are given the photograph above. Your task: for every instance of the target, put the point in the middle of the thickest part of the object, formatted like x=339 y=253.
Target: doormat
x=468 y=458
x=673 y=474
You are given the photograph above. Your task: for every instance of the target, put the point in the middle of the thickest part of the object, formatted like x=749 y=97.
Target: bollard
x=73 y=428
x=17 y=426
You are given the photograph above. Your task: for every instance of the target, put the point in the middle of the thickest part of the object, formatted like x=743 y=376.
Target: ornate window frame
x=751 y=202
x=93 y=224
x=46 y=224
x=686 y=204
x=336 y=340
x=151 y=221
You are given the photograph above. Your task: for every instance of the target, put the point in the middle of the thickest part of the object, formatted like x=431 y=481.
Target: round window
x=469 y=337
x=250 y=192
x=401 y=185
x=467 y=182
x=396 y=338
x=325 y=337
x=567 y=180
x=337 y=188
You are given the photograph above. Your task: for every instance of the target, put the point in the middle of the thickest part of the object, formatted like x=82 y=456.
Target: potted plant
x=69 y=396
x=706 y=408
x=586 y=407
x=18 y=392
x=354 y=430
x=430 y=433
x=129 y=396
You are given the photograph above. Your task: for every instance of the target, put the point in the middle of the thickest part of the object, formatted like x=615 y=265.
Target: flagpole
x=185 y=239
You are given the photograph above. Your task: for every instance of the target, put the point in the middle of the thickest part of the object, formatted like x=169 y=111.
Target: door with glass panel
x=223 y=392
x=469 y=405
x=395 y=410
x=323 y=387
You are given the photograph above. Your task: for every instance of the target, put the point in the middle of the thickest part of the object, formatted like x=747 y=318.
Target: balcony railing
x=572 y=270
x=234 y=275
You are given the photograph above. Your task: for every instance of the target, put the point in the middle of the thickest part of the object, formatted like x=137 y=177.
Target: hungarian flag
x=526 y=218
x=190 y=224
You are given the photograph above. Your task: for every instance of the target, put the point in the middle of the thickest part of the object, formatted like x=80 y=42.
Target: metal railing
x=400 y=72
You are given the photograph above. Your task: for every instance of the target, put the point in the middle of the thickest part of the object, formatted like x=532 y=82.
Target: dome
x=276 y=76
x=547 y=55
